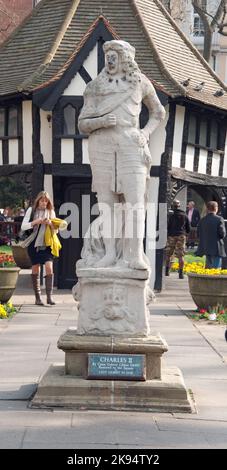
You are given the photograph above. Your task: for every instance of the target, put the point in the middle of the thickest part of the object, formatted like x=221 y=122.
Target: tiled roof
x=47 y=42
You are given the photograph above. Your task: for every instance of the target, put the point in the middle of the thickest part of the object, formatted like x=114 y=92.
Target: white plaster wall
x=48 y=185
x=13 y=151
x=225 y=159
x=76 y=86
x=225 y=77
x=85 y=158
x=46 y=136
x=158 y=139
x=202 y=168
x=27 y=131
x=177 y=137
x=215 y=164
x=189 y=158
x=67 y=150
x=91 y=62
x=1 y=159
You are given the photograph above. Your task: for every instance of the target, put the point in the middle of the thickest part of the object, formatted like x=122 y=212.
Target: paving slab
x=188 y=425
x=17 y=391
x=35 y=419
x=11 y=439
x=28 y=345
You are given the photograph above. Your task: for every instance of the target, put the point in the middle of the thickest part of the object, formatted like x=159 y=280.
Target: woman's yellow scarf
x=51 y=239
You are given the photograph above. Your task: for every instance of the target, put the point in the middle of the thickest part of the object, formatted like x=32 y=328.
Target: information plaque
x=116 y=366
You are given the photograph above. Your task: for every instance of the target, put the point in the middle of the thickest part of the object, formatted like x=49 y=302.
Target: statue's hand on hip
x=109 y=120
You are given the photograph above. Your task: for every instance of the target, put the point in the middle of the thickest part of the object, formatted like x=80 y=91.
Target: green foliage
x=12 y=193
x=7 y=310
x=6 y=249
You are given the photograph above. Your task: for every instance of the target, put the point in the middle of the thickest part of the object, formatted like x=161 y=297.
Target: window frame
x=6 y=110
x=208 y=118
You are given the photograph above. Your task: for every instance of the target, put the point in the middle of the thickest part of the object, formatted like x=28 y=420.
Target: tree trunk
x=207 y=46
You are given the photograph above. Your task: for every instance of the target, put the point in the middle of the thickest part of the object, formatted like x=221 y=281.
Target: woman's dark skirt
x=39 y=257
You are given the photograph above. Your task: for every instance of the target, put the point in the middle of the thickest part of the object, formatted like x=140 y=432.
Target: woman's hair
x=50 y=205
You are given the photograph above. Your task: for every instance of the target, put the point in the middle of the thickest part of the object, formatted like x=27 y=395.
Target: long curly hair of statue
x=126 y=54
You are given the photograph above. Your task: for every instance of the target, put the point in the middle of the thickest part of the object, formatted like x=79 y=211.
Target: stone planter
x=8 y=282
x=208 y=290
x=21 y=257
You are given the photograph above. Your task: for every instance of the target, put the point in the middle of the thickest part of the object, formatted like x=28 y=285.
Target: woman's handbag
x=24 y=234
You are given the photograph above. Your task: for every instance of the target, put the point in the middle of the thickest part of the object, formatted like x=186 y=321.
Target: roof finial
x=101 y=12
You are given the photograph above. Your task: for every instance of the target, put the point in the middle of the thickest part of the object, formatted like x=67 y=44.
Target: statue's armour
x=115 y=151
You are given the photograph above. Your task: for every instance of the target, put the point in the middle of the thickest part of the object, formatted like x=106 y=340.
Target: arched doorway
x=200 y=194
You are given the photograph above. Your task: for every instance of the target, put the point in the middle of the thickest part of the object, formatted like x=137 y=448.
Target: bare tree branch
x=219 y=13
x=217 y=23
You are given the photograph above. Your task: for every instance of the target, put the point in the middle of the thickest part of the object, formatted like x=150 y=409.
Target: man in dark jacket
x=178 y=227
x=194 y=218
x=211 y=232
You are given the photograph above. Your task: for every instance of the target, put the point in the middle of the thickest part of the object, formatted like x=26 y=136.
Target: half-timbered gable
x=44 y=68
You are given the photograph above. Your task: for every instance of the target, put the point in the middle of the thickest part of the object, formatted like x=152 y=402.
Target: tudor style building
x=44 y=68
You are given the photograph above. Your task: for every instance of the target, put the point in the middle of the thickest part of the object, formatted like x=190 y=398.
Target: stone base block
x=113 y=301
x=77 y=347
x=167 y=395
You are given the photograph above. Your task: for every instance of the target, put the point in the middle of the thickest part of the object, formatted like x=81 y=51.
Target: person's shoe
x=181 y=274
x=49 y=289
x=167 y=271
x=36 y=288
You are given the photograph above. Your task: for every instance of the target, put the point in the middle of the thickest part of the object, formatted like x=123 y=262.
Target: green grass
x=6 y=249
x=191 y=258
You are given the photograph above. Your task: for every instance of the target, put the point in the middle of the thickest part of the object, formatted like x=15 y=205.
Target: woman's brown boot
x=49 y=289
x=36 y=288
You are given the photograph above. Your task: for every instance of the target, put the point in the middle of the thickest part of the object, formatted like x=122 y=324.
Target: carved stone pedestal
x=67 y=385
x=113 y=301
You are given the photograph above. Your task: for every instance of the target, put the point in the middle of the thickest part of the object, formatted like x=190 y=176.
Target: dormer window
x=69 y=120
x=9 y=122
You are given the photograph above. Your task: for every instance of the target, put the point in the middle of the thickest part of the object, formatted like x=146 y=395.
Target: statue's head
x=120 y=57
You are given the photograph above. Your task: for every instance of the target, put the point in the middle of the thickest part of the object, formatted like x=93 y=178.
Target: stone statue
x=118 y=149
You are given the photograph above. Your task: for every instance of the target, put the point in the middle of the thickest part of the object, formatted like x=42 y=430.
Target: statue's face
x=112 y=62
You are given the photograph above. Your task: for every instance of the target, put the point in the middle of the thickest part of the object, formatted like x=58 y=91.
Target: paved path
x=28 y=347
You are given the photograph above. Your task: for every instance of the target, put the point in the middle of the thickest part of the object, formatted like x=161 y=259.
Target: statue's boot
x=110 y=257
x=137 y=260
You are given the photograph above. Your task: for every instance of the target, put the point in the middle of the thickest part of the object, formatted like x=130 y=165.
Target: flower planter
x=21 y=257
x=208 y=290
x=8 y=282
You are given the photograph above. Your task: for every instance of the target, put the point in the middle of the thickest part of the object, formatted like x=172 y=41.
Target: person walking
x=211 y=233
x=194 y=218
x=177 y=230
x=36 y=219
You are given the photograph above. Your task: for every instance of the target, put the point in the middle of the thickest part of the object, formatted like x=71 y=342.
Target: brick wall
x=12 y=12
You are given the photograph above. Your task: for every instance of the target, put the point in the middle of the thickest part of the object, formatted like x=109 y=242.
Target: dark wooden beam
x=10 y=170
x=37 y=158
x=70 y=169
x=198 y=178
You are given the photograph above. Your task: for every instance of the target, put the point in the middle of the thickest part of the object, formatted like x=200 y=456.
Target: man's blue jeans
x=213 y=262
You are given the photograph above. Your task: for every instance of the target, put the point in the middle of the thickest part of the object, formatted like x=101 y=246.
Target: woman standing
x=36 y=219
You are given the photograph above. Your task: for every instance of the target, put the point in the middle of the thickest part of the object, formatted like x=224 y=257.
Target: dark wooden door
x=72 y=190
